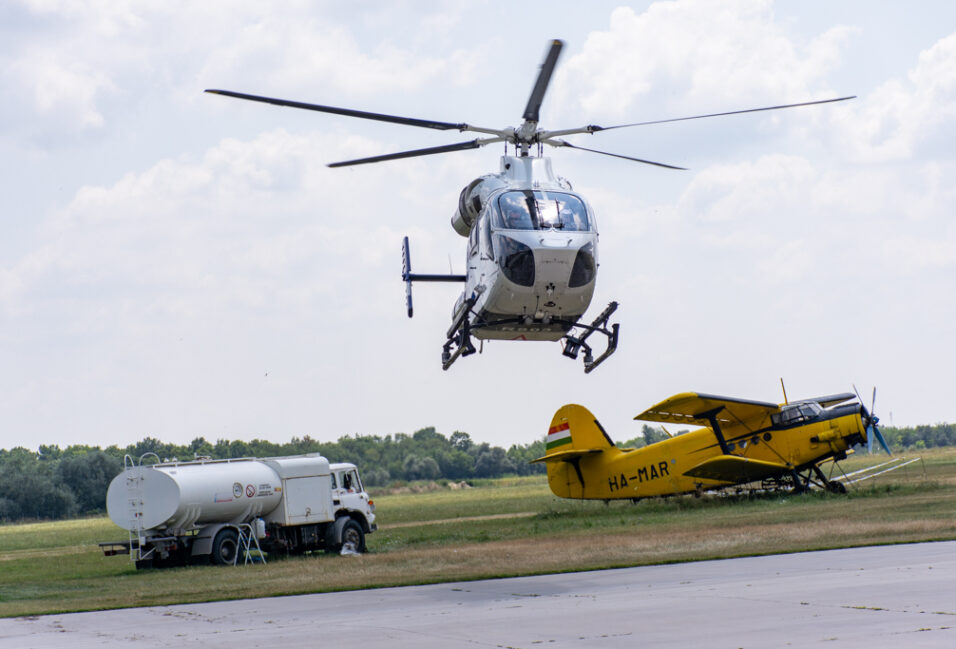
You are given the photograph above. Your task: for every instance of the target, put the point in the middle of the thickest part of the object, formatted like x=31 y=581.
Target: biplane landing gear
x=574 y=344
x=832 y=486
x=804 y=481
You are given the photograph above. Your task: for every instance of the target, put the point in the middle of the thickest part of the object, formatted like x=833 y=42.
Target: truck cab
x=348 y=494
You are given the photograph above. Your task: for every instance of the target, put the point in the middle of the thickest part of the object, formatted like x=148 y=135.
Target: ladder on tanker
x=135 y=500
x=248 y=539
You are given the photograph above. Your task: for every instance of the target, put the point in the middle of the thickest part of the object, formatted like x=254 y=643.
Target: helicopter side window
x=473 y=242
x=515 y=259
x=485 y=235
x=572 y=214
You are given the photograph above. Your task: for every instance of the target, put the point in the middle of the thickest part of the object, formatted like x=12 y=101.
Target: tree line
x=919 y=437
x=55 y=483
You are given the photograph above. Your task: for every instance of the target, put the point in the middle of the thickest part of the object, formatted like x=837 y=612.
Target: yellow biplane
x=739 y=442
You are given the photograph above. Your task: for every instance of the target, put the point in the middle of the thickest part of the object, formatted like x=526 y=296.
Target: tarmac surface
x=885 y=596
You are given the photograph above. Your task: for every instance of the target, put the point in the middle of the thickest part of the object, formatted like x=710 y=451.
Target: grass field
x=499 y=528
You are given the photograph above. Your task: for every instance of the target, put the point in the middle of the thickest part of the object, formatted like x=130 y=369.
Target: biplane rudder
x=574 y=427
x=575 y=436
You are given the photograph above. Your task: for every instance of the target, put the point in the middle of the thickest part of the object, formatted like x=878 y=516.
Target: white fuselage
x=531 y=256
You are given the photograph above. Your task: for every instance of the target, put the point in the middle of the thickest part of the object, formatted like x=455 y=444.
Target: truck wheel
x=352 y=533
x=225 y=548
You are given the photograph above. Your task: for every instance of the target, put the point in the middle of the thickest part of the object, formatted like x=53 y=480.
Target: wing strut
x=711 y=416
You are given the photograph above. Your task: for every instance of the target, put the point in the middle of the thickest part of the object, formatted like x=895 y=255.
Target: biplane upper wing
x=694 y=409
x=735 y=469
x=833 y=399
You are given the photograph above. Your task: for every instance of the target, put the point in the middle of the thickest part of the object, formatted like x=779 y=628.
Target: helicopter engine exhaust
x=472 y=201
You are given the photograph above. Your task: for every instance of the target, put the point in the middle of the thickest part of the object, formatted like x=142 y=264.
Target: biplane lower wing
x=736 y=469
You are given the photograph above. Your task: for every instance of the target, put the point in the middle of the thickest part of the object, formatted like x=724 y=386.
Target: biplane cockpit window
x=796 y=413
x=540 y=210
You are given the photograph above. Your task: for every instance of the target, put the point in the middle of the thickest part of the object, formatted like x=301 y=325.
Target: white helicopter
x=531 y=260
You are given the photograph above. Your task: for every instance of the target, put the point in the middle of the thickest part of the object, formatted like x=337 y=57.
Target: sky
x=177 y=264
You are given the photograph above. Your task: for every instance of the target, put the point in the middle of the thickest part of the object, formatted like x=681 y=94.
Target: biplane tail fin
x=574 y=434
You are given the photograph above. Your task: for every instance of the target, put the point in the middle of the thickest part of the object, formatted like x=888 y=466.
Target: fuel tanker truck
x=221 y=511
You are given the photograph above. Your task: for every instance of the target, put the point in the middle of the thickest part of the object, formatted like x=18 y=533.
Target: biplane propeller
x=870 y=421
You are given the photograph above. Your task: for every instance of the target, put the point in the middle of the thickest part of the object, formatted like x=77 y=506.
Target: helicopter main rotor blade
x=348 y=112
x=613 y=155
x=447 y=148
x=533 y=108
x=593 y=129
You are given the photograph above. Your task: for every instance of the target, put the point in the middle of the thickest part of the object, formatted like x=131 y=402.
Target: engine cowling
x=471 y=202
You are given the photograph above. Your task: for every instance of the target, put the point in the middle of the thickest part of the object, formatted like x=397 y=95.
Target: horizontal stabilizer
x=736 y=469
x=567 y=456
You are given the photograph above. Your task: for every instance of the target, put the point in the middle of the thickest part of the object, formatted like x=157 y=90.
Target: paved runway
x=889 y=596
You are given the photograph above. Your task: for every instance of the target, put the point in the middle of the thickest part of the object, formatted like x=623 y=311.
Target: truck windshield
x=539 y=210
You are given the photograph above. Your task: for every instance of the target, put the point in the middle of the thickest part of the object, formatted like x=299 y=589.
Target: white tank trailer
x=214 y=511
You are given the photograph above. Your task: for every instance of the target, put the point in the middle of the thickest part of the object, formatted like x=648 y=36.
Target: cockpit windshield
x=539 y=210
x=796 y=413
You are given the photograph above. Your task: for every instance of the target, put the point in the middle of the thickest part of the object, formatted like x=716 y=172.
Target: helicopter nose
x=554 y=266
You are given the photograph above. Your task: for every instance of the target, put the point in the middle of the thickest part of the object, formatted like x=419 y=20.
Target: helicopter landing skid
x=574 y=344
x=459 y=336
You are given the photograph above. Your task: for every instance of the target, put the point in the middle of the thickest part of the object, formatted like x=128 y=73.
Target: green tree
x=492 y=462
x=87 y=477
x=30 y=490
x=420 y=468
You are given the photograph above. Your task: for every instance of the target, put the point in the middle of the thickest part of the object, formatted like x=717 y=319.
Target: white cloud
x=96 y=62
x=311 y=54
x=61 y=89
x=688 y=55
x=247 y=212
x=727 y=194
x=902 y=115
